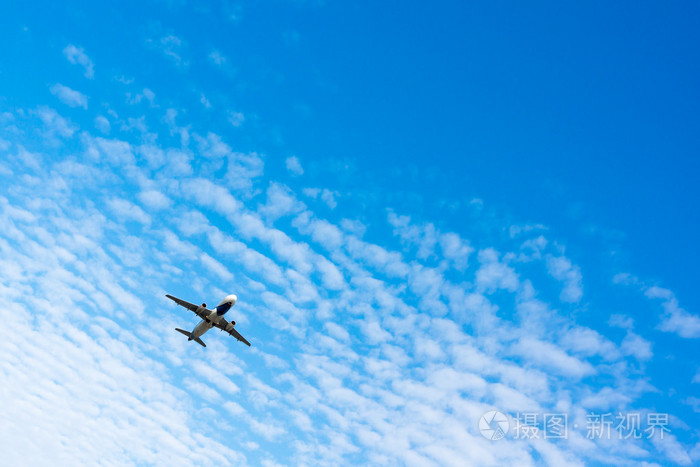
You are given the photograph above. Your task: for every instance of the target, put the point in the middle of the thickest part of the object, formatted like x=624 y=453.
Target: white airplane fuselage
x=214 y=316
x=202 y=327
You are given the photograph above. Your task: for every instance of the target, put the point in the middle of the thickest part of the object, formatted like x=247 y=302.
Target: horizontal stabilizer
x=190 y=338
x=199 y=341
x=188 y=334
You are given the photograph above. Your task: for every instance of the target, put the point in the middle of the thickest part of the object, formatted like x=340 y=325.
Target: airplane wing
x=190 y=306
x=224 y=326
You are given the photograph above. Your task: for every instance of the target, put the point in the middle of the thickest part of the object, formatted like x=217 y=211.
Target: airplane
x=210 y=318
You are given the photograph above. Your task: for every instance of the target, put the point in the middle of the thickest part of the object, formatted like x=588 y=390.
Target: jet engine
x=202 y=311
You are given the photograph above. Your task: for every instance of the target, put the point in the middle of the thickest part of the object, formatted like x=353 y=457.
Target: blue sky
x=427 y=213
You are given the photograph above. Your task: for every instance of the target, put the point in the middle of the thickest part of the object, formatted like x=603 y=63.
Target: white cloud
x=68 y=96
x=175 y=129
x=29 y=159
x=175 y=247
x=172 y=47
x=154 y=199
x=217 y=377
x=373 y=332
x=236 y=118
x=212 y=147
x=636 y=346
x=102 y=124
x=532 y=248
x=243 y=169
x=154 y=155
x=55 y=123
x=138 y=124
x=280 y=202
x=375 y=256
x=256 y=263
x=494 y=274
x=194 y=223
x=426 y=238
x=269 y=431
x=621 y=321
x=126 y=210
x=324 y=233
x=682 y=323
x=672 y=449
x=353 y=226
x=294 y=166
x=311 y=192
x=675 y=318
x=216 y=267
x=113 y=151
x=456 y=249
x=625 y=278
x=331 y=277
x=209 y=194
x=133 y=99
x=551 y=357
x=328 y=197
x=587 y=342
x=517 y=230
x=562 y=270
x=76 y=55
x=149 y=95
x=337 y=331
x=204 y=101
x=217 y=58
x=124 y=80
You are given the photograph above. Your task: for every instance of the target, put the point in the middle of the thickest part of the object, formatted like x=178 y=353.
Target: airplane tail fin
x=189 y=337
